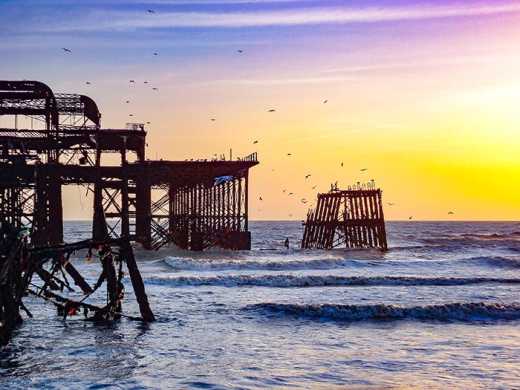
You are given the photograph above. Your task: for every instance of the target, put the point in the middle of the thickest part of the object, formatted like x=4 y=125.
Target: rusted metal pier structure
x=57 y=140
x=350 y=218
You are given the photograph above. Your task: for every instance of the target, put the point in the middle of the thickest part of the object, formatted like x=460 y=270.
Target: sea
x=439 y=310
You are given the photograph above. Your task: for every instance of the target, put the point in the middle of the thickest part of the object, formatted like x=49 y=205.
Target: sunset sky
x=424 y=95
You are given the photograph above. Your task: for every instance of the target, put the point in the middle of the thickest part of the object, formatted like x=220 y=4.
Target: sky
x=424 y=95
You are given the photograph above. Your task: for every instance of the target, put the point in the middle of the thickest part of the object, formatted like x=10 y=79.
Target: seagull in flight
x=391 y=204
x=128 y=101
x=325 y=101
x=410 y=218
x=132 y=81
x=314 y=187
x=289 y=154
x=341 y=164
x=155 y=89
x=213 y=119
x=271 y=110
x=155 y=53
x=87 y=82
x=150 y=11
x=255 y=142
x=240 y=51
x=451 y=213
x=364 y=170
x=307 y=176
x=66 y=50
x=130 y=114
x=260 y=198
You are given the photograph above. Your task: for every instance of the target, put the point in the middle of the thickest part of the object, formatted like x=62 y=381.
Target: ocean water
x=440 y=309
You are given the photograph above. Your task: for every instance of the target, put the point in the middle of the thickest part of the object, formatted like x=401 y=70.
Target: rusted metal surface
x=351 y=218
x=60 y=142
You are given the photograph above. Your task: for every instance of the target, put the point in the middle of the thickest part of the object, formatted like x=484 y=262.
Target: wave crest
x=288 y=281
x=448 y=312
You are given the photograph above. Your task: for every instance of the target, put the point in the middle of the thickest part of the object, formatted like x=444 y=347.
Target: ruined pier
x=57 y=140
x=350 y=218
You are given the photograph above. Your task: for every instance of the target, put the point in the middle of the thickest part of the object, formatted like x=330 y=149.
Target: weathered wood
x=353 y=218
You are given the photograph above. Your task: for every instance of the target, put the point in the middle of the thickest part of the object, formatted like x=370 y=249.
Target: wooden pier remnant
x=57 y=140
x=350 y=218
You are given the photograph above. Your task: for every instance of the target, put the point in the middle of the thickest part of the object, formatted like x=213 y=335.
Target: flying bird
x=146 y=82
x=289 y=154
x=151 y=11
x=87 y=82
x=148 y=123
x=155 y=53
x=391 y=204
x=290 y=193
x=66 y=50
x=260 y=198
x=314 y=187
x=130 y=114
x=451 y=213
x=307 y=176
x=132 y=81
x=342 y=164
x=325 y=101
x=213 y=119
x=255 y=142
x=364 y=170
x=240 y=51
x=127 y=101
x=155 y=89
x=410 y=218
x=271 y=110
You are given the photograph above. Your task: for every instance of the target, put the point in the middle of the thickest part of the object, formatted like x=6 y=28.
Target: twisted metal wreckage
x=57 y=140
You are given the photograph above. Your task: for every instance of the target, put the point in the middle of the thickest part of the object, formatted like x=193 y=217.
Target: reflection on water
x=440 y=309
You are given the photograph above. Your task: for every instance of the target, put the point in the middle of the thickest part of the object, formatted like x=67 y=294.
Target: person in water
x=286 y=243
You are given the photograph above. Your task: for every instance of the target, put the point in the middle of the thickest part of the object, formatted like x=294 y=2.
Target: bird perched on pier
x=271 y=110
x=66 y=50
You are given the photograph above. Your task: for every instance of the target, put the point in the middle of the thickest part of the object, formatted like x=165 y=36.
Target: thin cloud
x=282 y=81
x=131 y=20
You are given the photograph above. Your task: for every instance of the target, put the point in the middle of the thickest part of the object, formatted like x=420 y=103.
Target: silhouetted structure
x=352 y=218
x=57 y=140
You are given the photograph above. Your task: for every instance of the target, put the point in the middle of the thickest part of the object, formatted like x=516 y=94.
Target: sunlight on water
x=440 y=309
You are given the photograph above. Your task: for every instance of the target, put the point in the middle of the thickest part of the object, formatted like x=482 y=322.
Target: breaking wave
x=288 y=281
x=448 y=312
x=495 y=261
x=274 y=265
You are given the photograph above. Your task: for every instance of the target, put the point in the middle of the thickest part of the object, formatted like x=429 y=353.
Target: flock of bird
x=255 y=142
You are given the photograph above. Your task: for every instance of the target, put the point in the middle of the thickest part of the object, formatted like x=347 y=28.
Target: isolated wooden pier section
x=57 y=140
x=346 y=218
